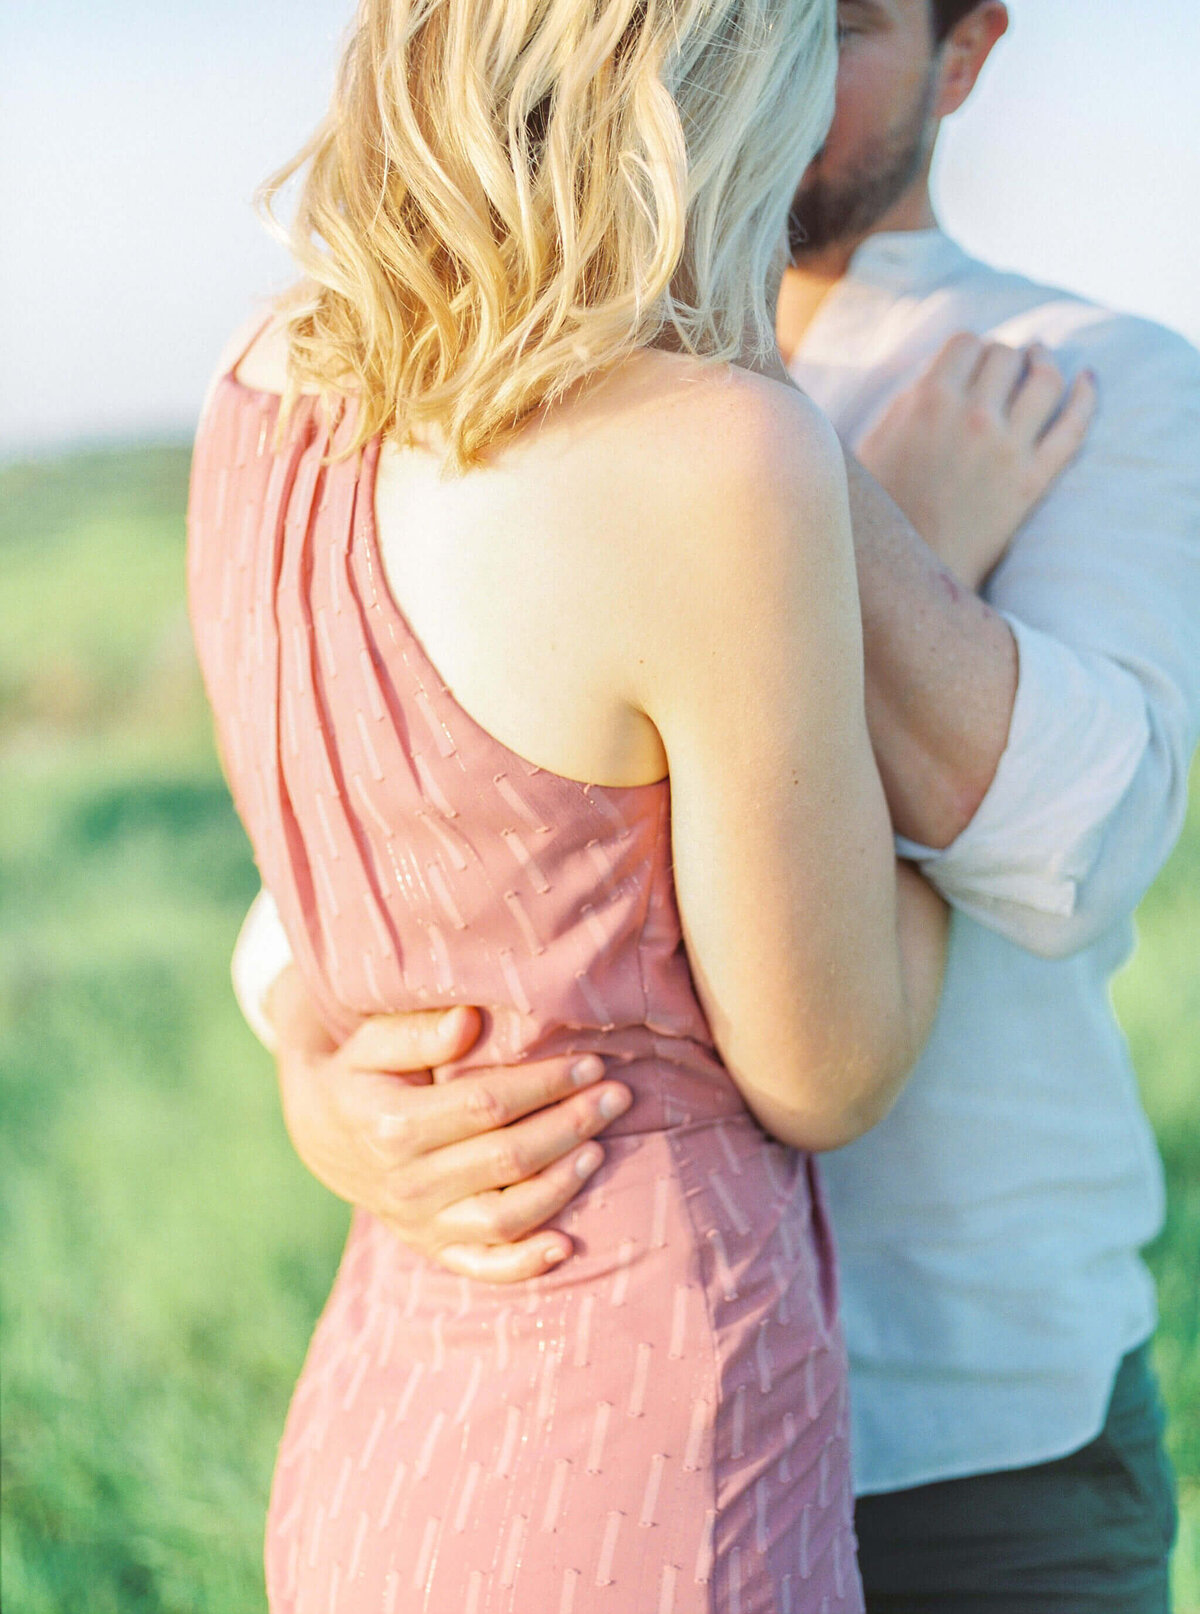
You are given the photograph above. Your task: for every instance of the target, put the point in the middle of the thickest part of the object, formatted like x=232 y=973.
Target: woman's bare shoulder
x=725 y=451
x=723 y=500
x=673 y=454
x=696 y=406
x=260 y=352
x=256 y=353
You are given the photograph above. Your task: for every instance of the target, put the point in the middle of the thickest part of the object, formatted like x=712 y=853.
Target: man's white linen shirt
x=989 y=1229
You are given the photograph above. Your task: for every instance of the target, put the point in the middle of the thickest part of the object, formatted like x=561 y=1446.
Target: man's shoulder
x=1017 y=309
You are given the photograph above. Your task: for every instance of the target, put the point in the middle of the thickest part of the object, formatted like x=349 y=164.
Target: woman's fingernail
x=587 y=1161
x=588 y=1069
x=613 y=1103
x=554 y=1255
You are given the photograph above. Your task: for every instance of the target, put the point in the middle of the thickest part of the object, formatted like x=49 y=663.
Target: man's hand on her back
x=463 y=1171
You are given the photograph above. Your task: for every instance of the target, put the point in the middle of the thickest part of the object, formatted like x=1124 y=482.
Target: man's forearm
x=941 y=672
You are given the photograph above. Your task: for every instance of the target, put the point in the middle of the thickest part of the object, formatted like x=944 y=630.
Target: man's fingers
x=506 y=1263
x=1066 y=435
x=487 y=1100
x=507 y=1215
x=405 y=1044
x=510 y=1154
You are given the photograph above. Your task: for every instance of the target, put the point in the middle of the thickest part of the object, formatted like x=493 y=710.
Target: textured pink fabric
x=659 y=1426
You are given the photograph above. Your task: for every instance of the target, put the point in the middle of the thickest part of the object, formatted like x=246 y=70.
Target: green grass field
x=164 y=1254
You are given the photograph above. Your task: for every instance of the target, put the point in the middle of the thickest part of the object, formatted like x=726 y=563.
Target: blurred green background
x=165 y=1253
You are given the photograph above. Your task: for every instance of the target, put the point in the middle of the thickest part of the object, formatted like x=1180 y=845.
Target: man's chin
x=809 y=254
x=825 y=216
x=830 y=216
x=813 y=234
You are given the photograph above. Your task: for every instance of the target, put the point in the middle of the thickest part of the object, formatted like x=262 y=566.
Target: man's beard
x=827 y=212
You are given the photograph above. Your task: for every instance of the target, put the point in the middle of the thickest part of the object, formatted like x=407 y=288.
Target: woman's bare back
x=522 y=577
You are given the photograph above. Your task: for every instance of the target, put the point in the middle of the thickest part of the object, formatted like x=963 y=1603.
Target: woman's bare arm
x=818 y=965
x=964 y=453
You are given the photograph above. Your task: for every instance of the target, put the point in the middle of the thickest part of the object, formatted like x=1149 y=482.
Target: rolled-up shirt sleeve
x=1102 y=591
x=260 y=955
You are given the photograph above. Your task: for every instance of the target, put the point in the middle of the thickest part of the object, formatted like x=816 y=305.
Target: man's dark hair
x=947 y=13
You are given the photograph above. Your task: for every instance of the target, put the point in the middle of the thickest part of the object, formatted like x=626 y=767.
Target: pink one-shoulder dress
x=658 y=1426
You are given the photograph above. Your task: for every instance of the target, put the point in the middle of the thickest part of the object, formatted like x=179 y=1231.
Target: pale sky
x=133 y=132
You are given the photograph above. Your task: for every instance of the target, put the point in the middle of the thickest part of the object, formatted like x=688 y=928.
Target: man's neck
x=806 y=284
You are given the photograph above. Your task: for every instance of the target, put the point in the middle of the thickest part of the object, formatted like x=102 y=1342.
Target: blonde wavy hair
x=509 y=195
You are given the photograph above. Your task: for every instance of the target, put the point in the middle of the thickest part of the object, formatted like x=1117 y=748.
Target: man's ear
x=965 y=49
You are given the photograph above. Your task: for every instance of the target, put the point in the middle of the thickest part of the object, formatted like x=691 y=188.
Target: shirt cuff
x=1078 y=732
x=260 y=955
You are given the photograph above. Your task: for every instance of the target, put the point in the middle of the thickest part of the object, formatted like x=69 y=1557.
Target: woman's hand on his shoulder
x=972 y=445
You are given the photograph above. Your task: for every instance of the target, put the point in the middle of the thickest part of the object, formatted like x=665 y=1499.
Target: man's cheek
x=859 y=98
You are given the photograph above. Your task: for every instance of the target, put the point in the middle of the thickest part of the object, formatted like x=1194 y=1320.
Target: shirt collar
x=885 y=268
x=912 y=261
